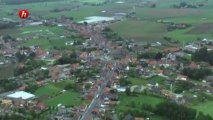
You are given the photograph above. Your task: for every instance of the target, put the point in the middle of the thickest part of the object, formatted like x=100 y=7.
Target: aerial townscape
x=106 y=60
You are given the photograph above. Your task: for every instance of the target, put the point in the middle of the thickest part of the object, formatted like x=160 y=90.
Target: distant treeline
x=4 y=25
x=23 y=1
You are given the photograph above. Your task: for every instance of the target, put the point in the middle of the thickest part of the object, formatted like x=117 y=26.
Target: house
x=194 y=65
x=171 y=49
x=191 y=48
x=137 y=88
x=181 y=77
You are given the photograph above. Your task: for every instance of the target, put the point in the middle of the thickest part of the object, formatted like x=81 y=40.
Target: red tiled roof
x=171 y=49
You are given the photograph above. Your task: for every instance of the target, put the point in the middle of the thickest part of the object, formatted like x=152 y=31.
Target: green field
x=68 y=98
x=206 y=108
x=138 y=81
x=139 y=30
x=126 y=101
x=45 y=37
x=139 y=100
x=47 y=44
x=47 y=90
x=56 y=96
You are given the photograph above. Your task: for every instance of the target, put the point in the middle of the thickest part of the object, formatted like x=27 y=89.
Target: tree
x=158 y=56
x=85 y=23
x=196 y=73
x=128 y=91
x=200 y=55
x=183 y=4
x=87 y=86
x=201 y=116
x=69 y=86
x=173 y=111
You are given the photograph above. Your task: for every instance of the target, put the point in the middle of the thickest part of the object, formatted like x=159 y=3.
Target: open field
x=138 y=81
x=47 y=90
x=140 y=30
x=47 y=44
x=126 y=103
x=43 y=36
x=67 y=98
x=206 y=108
x=152 y=31
x=56 y=96
x=139 y=100
x=204 y=28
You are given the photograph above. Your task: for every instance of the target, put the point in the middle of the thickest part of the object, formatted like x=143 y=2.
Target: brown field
x=204 y=28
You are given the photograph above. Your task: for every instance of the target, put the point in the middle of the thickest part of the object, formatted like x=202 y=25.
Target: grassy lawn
x=125 y=103
x=139 y=100
x=47 y=90
x=206 y=108
x=67 y=98
x=158 y=79
x=54 y=90
x=138 y=81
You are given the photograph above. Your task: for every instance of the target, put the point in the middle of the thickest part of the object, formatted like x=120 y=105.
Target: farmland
x=145 y=28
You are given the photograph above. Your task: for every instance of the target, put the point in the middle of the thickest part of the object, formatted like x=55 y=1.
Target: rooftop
x=21 y=94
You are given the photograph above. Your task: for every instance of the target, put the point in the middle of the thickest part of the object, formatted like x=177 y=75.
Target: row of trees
x=173 y=111
x=67 y=59
x=197 y=74
x=28 y=66
x=150 y=55
x=8 y=85
x=203 y=55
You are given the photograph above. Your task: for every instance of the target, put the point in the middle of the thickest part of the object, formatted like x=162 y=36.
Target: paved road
x=95 y=101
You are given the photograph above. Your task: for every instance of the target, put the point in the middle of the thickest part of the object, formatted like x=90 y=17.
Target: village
x=101 y=63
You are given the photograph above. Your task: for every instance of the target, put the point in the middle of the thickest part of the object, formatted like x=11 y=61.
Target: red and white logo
x=23 y=14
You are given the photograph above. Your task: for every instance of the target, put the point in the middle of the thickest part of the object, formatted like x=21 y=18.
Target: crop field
x=145 y=27
x=140 y=30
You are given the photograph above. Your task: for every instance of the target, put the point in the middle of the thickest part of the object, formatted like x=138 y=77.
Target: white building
x=22 y=95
